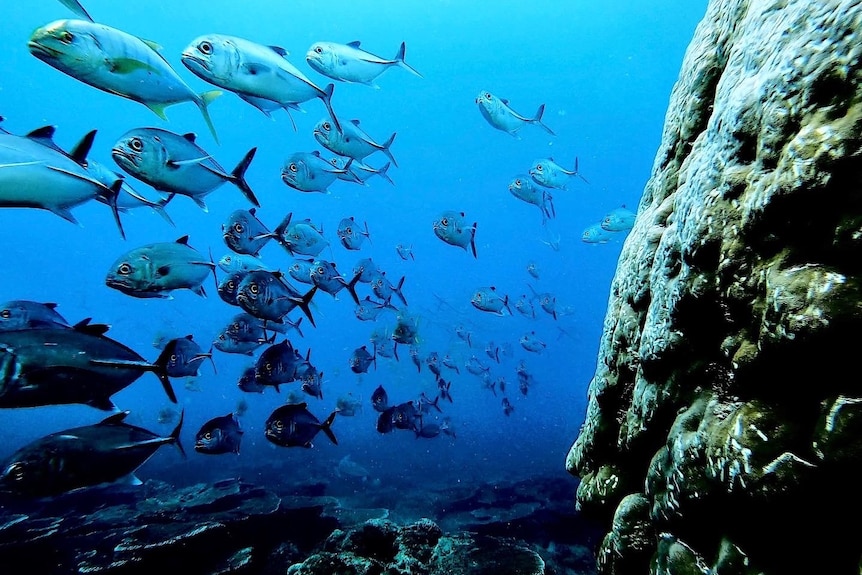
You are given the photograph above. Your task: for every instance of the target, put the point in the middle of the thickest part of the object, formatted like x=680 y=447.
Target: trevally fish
x=348 y=405
x=116 y=62
x=360 y=172
x=277 y=364
x=128 y=197
x=155 y=270
x=451 y=228
x=36 y=173
x=487 y=299
x=499 y=114
x=266 y=295
x=383 y=288
x=83 y=457
x=361 y=359
x=533 y=269
x=300 y=270
x=369 y=310
x=26 y=314
x=326 y=277
x=531 y=342
x=367 y=269
x=244 y=233
x=182 y=356
x=77 y=8
x=380 y=399
x=292 y=425
x=550 y=174
x=233 y=263
x=252 y=70
x=596 y=234
x=175 y=164
x=308 y=172
x=619 y=220
x=351 y=141
x=228 y=288
x=350 y=63
x=301 y=237
x=56 y=366
x=219 y=435
x=405 y=252
x=350 y=235
x=523 y=188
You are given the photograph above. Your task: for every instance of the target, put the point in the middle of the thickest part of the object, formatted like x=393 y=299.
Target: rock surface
x=721 y=411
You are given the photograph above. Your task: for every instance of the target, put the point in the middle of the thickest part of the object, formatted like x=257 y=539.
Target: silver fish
x=350 y=63
x=498 y=113
x=451 y=228
x=308 y=172
x=619 y=220
x=252 y=70
x=351 y=140
x=116 y=62
x=596 y=234
x=487 y=299
x=77 y=8
x=359 y=172
x=548 y=173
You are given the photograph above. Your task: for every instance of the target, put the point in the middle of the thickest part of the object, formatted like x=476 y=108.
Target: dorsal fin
x=316 y=153
x=82 y=148
x=354 y=44
x=43 y=133
x=183 y=240
x=505 y=101
x=252 y=211
x=50 y=304
x=190 y=337
x=84 y=326
x=190 y=136
x=354 y=121
x=154 y=45
x=279 y=50
x=115 y=418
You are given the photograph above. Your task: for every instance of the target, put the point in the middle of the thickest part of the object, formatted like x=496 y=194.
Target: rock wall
x=724 y=428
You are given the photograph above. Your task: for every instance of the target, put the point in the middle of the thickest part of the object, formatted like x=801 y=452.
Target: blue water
x=604 y=72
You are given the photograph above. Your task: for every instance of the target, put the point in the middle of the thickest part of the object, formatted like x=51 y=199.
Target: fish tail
x=397 y=290
x=387 y=151
x=351 y=287
x=278 y=233
x=203 y=101
x=382 y=173
x=296 y=327
x=159 y=208
x=326 y=96
x=506 y=303
x=111 y=197
x=238 y=176
x=303 y=304
x=326 y=427
x=175 y=435
x=399 y=58
x=395 y=350
x=537 y=119
x=577 y=173
x=367 y=234
x=473 y=240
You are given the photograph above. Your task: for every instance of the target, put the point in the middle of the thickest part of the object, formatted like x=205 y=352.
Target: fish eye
x=327 y=127
x=267 y=367
x=292 y=168
x=136 y=144
x=487 y=95
x=5 y=314
x=237 y=227
x=173 y=358
x=279 y=425
x=231 y=285
x=227 y=259
x=319 y=270
x=208 y=435
x=348 y=231
x=206 y=48
x=253 y=288
x=539 y=167
x=318 y=49
x=124 y=269
x=518 y=183
x=66 y=37
x=235 y=326
x=444 y=222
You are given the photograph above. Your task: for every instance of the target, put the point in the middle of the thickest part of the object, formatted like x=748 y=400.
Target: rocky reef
x=724 y=416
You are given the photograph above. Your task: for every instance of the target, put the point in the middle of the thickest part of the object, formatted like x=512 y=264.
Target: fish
x=406 y=416
x=533 y=269
x=277 y=365
x=547 y=301
x=156 y=270
x=414 y=357
x=493 y=351
x=245 y=333
x=253 y=71
x=487 y=299
x=26 y=314
x=548 y=173
x=523 y=188
x=81 y=457
x=444 y=387
x=464 y=334
x=360 y=360
x=525 y=307
x=326 y=277
x=406 y=329
x=301 y=237
x=449 y=362
x=619 y=220
x=596 y=234
x=359 y=172
x=309 y=172
x=351 y=141
x=383 y=289
x=228 y=288
x=244 y=233
x=312 y=383
x=182 y=356
x=248 y=383
x=432 y=360
x=219 y=435
x=475 y=366
x=387 y=348
x=118 y=63
x=428 y=431
x=266 y=295
x=300 y=270
x=292 y=425
x=58 y=366
x=405 y=252
x=128 y=198
x=237 y=263
x=347 y=405
x=500 y=115
x=450 y=227
x=350 y=235
x=176 y=164
x=508 y=408
x=369 y=310
x=531 y=342
x=36 y=173
x=380 y=399
x=77 y=8
x=367 y=270
x=350 y=63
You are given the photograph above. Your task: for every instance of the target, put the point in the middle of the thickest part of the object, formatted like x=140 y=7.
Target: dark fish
x=219 y=435
x=428 y=431
x=326 y=277
x=175 y=164
x=156 y=270
x=444 y=387
x=508 y=408
x=414 y=357
x=25 y=314
x=406 y=329
x=83 y=457
x=277 y=364
x=350 y=235
x=360 y=360
x=347 y=405
x=406 y=416
x=228 y=288
x=292 y=425
x=248 y=382
x=182 y=357
x=244 y=233
x=268 y=296
x=380 y=399
x=384 y=420
x=432 y=360
x=383 y=289
x=312 y=383
x=61 y=365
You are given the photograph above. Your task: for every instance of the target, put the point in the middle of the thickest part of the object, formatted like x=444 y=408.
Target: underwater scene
x=312 y=287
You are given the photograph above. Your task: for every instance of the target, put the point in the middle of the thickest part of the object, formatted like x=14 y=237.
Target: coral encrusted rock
x=723 y=432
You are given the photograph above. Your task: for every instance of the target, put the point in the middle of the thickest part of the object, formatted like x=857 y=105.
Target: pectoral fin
x=129 y=65
x=255 y=69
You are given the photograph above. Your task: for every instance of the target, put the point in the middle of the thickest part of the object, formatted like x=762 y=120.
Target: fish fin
x=131 y=479
x=158 y=109
x=115 y=418
x=128 y=65
x=22 y=164
x=399 y=59
x=326 y=96
x=537 y=119
x=203 y=101
x=382 y=173
x=97 y=329
x=110 y=196
x=76 y=7
x=82 y=148
x=175 y=434
x=351 y=287
x=354 y=44
x=303 y=303
x=199 y=290
x=66 y=215
x=280 y=51
x=255 y=68
x=387 y=151
x=326 y=427
x=237 y=176
x=473 y=240
x=200 y=202
x=154 y=46
x=45 y=136
x=105 y=404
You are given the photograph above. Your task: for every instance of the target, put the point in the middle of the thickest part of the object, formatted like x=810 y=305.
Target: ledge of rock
x=721 y=408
